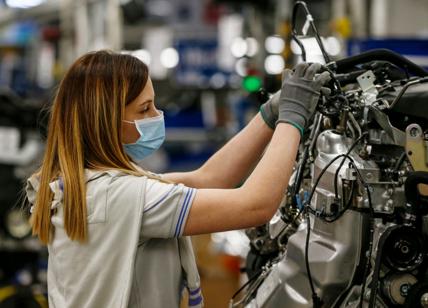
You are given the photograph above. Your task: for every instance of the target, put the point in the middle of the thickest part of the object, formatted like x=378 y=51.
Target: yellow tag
x=6 y=292
x=342 y=26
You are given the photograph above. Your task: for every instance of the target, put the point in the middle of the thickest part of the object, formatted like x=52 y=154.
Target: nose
x=156 y=112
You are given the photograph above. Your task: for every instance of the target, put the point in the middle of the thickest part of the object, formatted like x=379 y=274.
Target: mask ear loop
x=130 y=122
x=146 y=119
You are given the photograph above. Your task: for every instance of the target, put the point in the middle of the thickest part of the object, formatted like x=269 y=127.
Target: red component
x=212 y=12
x=231 y=263
x=51 y=33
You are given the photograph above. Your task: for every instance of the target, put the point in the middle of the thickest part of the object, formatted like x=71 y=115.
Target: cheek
x=130 y=133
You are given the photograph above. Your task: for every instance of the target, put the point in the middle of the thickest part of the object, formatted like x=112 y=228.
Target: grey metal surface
x=334 y=253
x=334 y=247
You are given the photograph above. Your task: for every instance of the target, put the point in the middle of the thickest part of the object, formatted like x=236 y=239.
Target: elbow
x=264 y=209
x=208 y=179
x=267 y=215
x=261 y=217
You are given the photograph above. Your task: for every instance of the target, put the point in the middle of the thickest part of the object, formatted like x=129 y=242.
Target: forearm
x=254 y=203
x=270 y=178
x=234 y=161
x=229 y=166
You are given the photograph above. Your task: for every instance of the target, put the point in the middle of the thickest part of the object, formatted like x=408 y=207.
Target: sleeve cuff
x=184 y=212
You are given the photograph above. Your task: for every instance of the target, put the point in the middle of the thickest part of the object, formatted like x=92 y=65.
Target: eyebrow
x=146 y=102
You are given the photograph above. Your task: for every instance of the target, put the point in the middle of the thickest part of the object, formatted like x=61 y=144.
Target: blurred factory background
x=213 y=62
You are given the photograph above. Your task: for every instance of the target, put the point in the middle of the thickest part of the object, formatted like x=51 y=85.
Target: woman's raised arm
x=230 y=165
x=257 y=200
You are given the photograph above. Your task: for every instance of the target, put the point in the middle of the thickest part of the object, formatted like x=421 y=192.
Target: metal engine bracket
x=415 y=147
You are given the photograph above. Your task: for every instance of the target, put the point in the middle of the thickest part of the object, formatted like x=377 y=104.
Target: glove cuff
x=265 y=117
x=299 y=128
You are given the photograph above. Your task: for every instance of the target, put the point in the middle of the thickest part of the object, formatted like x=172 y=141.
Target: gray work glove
x=269 y=110
x=300 y=93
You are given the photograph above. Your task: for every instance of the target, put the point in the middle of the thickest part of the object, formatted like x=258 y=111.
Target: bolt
x=424 y=300
x=414 y=132
x=389 y=205
x=404 y=289
x=367 y=294
x=404 y=249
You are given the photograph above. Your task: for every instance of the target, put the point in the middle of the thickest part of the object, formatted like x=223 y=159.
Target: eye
x=145 y=109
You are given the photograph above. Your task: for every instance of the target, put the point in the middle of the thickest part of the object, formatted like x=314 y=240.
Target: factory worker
x=117 y=234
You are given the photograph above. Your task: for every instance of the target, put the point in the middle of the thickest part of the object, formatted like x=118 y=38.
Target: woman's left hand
x=269 y=110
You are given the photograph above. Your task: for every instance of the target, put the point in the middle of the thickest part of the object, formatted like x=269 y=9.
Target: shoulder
x=115 y=185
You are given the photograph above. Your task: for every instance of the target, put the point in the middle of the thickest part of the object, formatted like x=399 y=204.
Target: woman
x=116 y=234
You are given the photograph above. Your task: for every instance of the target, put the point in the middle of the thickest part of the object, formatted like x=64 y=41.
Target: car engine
x=352 y=228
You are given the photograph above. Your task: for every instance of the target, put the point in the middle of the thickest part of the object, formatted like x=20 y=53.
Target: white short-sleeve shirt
x=131 y=258
x=158 y=273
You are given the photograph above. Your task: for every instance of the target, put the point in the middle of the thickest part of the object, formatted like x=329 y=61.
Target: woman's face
x=140 y=108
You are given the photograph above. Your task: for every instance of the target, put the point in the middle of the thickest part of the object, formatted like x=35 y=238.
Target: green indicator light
x=252 y=83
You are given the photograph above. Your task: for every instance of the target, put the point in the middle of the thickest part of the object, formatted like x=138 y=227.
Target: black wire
x=370 y=248
x=400 y=161
x=360 y=177
x=315 y=298
x=304 y=157
x=314 y=294
x=321 y=174
x=335 y=80
x=345 y=208
x=302 y=48
x=336 y=174
x=312 y=24
x=247 y=283
x=313 y=190
x=291 y=222
x=294 y=32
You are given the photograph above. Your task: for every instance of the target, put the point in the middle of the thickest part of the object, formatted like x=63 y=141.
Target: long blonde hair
x=85 y=132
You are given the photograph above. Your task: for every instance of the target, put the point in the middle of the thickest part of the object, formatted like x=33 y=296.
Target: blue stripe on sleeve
x=195 y=291
x=183 y=211
x=195 y=301
x=61 y=183
x=161 y=199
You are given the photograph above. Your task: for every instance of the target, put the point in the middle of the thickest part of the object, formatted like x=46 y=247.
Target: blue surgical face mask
x=152 y=135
